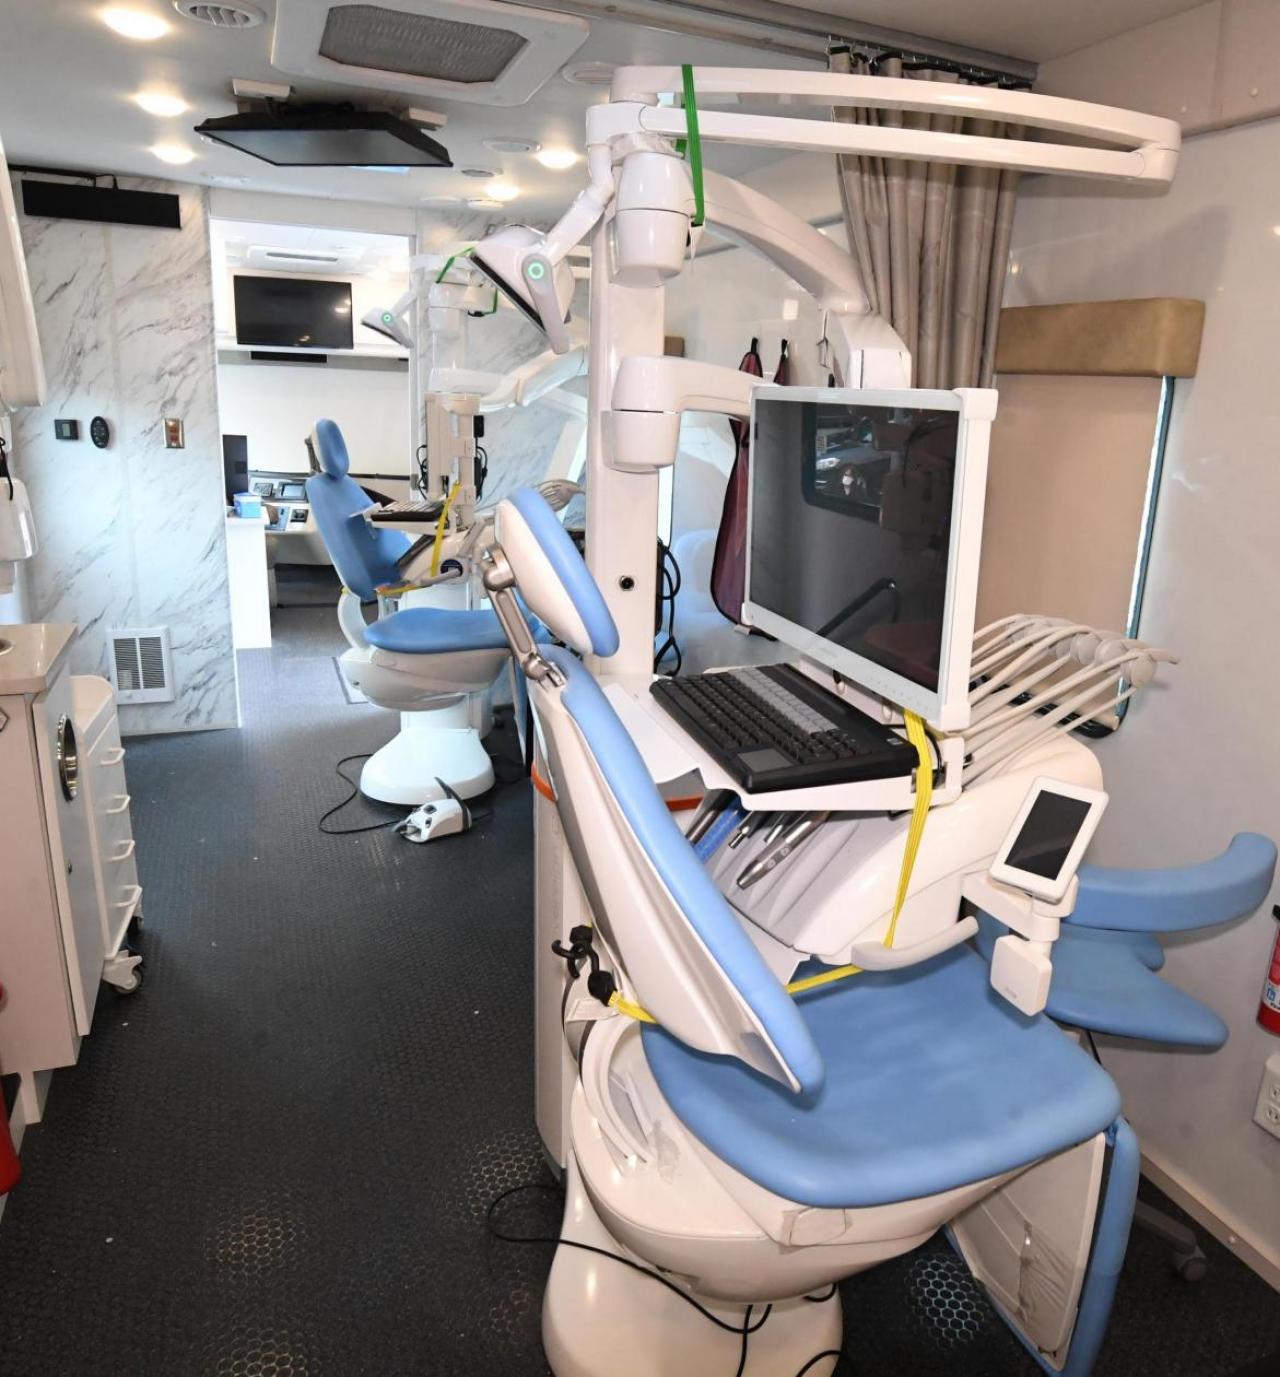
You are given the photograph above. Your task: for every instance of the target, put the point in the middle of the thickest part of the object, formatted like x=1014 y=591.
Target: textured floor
x=274 y=1160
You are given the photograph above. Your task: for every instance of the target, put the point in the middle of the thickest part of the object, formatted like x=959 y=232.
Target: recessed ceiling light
x=479 y=172
x=135 y=24
x=161 y=103
x=175 y=153
x=511 y=145
x=557 y=158
x=502 y=191
x=483 y=203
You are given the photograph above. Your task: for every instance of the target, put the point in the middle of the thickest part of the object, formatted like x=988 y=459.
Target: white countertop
x=34 y=652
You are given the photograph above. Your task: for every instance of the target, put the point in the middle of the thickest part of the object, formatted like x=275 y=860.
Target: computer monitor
x=864 y=527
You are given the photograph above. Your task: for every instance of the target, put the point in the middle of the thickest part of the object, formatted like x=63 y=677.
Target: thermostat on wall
x=66 y=430
x=100 y=432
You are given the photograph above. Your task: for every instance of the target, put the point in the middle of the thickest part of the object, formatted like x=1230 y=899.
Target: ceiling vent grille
x=233 y=15
x=142 y=664
x=474 y=50
x=418 y=45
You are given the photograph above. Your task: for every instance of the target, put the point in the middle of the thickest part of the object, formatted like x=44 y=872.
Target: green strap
x=693 y=144
x=452 y=259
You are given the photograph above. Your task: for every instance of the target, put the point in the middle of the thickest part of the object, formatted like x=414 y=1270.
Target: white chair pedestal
x=602 y=1316
x=441 y=744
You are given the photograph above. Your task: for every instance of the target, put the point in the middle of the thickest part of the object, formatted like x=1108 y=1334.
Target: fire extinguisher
x=1269 y=1009
x=10 y=1167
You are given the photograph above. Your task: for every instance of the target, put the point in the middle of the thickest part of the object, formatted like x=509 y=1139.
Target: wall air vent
x=235 y=14
x=471 y=50
x=142 y=664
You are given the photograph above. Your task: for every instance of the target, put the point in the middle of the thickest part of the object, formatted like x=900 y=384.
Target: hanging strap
x=693 y=145
x=437 y=545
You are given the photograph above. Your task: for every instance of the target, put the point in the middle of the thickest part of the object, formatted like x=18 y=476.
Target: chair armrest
x=1181 y=897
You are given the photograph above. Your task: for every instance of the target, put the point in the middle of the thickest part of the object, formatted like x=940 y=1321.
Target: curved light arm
x=533 y=380
x=1149 y=144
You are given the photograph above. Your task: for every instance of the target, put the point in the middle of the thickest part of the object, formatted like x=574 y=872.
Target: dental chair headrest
x=551 y=576
x=331 y=449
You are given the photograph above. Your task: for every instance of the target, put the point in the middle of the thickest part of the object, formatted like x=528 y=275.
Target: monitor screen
x=851 y=507
x=293 y=312
x=1044 y=840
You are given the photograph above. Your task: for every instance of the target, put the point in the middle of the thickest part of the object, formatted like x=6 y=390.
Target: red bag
x=729 y=563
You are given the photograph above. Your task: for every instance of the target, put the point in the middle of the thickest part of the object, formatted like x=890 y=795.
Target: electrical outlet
x=1267 y=1113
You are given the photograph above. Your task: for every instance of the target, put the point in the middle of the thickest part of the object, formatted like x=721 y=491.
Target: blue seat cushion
x=933 y=1081
x=1110 y=986
x=440 y=631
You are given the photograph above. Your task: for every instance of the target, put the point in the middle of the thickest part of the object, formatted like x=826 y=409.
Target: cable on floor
x=748 y=1326
x=338 y=807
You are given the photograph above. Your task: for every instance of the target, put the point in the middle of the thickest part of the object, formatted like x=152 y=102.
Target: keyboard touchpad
x=767 y=759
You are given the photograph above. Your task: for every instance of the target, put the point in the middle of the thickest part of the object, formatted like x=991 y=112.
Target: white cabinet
x=51 y=934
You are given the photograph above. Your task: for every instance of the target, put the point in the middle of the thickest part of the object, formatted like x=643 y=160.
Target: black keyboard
x=772 y=728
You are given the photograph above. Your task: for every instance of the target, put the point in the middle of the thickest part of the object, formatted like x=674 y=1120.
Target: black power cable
x=672 y=581
x=749 y=1327
x=338 y=807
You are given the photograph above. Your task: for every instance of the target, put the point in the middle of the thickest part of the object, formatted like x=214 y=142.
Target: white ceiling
x=66 y=79
x=1036 y=30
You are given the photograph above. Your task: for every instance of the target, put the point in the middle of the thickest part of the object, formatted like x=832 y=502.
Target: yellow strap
x=919 y=815
x=394 y=590
x=625 y=1006
x=441 y=526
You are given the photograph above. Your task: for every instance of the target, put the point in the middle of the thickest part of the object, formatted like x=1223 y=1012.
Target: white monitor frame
x=946 y=707
x=1052 y=887
x=22 y=377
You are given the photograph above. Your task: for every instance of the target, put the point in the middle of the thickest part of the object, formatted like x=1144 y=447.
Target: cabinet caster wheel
x=1191 y=1267
x=123 y=971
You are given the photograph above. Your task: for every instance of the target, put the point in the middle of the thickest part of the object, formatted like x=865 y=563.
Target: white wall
x=133 y=535
x=1199 y=757
x=276 y=405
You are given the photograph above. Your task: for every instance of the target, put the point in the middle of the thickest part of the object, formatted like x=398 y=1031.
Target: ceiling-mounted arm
x=1148 y=144
x=870 y=352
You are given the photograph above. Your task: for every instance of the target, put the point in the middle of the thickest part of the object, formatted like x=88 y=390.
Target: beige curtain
x=932 y=239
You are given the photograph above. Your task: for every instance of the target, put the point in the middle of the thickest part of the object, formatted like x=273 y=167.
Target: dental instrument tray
x=773 y=728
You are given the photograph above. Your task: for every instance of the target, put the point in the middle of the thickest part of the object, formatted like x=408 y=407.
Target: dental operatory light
x=161 y=103
x=139 y=25
x=557 y=159
x=515 y=260
x=174 y=153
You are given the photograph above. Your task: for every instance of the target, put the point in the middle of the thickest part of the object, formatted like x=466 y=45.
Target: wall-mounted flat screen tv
x=293 y=312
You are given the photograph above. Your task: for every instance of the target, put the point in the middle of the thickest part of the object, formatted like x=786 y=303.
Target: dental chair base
x=429 y=747
x=601 y=1316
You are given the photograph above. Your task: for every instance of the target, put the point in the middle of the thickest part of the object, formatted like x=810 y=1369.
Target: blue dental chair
x=755 y=1148
x=1107 y=961
x=426 y=662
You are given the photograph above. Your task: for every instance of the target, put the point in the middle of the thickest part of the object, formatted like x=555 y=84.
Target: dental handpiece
x=791 y=840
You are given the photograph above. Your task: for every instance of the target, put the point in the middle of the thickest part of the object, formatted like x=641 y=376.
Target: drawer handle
x=118 y=807
x=112 y=757
x=126 y=850
x=135 y=893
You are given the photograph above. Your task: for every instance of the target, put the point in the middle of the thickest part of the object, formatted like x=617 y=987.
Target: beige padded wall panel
x=1066 y=489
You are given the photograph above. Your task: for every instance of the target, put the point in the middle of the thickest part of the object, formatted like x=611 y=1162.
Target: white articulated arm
x=533 y=380
x=1148 y=145
x=651 y=394
x=869 y=350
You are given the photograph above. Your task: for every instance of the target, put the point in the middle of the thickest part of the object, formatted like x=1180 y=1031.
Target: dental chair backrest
x=364 y=557
x=682 y=952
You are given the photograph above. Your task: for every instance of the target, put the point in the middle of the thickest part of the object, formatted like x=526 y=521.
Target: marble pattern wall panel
x=133 y=535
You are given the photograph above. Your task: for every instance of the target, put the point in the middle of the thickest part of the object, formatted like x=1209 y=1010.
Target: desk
x=247 y=582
